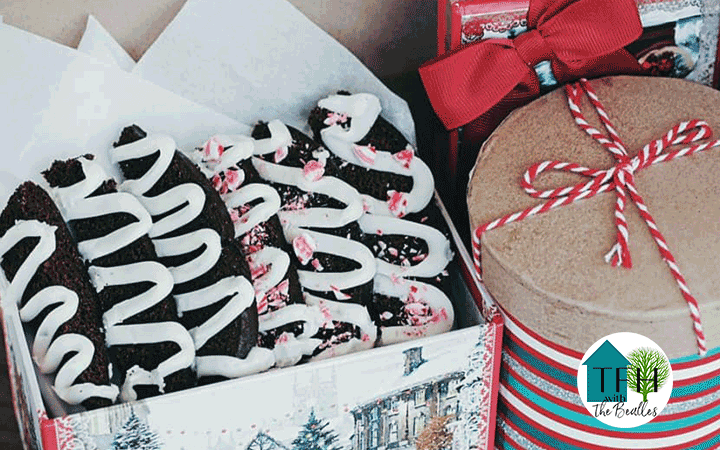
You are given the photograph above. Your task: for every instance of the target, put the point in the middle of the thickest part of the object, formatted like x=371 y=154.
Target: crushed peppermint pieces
x=212 y=150
x=405 y=157
x=340 y=295
x=234 y=215
x=316 y=264
x=217 y=182
x=262 y=305
x=365 y=153
x=234 y=179
x=278 y=296
x=304 y=246
x=334 y=118
x=256 y=270
x=397 y=203
x=387 y=315
x=313 y=170
x=228 y=180
x=280 y=153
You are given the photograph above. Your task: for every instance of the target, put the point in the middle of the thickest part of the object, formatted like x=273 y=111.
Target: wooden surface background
x=390 y=36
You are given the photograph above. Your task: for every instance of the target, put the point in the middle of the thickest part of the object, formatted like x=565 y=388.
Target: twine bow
x=621 y=179
x=483 y=82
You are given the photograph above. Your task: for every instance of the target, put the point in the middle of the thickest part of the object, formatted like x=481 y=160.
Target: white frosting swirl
x=188 y=194
x=351 y=313
x=259 y=213
x=295 y=222
x=318 y=217
x=440 y=315
x=333 y=245
x=279 y=137
x=390 y=279
x=439 y=251
x=49 y=353
x=292 y=348
x=75 y=204
x=364 y=109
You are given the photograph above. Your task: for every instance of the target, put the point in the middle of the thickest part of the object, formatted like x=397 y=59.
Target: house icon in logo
x=606 y=374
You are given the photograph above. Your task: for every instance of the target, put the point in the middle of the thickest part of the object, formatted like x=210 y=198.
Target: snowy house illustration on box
x=264 y=441
x=606 y=374
x=395 y=419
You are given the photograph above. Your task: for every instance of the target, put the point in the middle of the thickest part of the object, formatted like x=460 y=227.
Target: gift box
x=677 y=39
x=442 y=387
x=589 y=224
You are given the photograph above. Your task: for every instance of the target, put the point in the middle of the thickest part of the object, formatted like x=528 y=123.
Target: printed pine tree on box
x=136 y=435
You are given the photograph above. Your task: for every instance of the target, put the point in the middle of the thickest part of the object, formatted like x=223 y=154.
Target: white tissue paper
x=60 y=103
x=97 y=42
x=260 y=61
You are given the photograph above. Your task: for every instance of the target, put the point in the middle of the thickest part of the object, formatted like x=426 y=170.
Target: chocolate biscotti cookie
x=377 y=160
x=403 y=229
x=286 y=324
x=56 y=301
x=193 y=236
x=409 y=299
x=152 y=352
x=319 y=215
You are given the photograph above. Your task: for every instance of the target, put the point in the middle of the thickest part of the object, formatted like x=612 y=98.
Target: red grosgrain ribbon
x=485 y=81
x=620 y=178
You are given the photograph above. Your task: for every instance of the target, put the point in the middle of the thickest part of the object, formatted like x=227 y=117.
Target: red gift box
x=678 y=39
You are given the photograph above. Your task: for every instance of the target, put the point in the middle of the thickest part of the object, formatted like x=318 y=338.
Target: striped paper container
x=540 y=408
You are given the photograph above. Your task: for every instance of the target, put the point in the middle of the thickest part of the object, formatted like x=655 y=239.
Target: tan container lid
x=549 y=272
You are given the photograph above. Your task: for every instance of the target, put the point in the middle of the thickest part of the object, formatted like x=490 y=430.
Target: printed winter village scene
x=427 y=394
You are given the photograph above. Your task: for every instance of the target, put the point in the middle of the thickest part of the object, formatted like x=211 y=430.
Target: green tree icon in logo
x=651 y=366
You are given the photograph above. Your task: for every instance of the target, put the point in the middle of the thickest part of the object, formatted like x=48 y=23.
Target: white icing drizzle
x=439 y=251
x=146 y=146
x=242 y=297
x=440 y=306
x=294 y=222
x=390 y=279
x=189 y=195
x=179 y=245
x=259 y=213
x=292 y=350
x=257 y=360
x=350 y=313
x=319 y=217
x=75 y=204
x=48 y=353
x=278 y=262
x=333 y=245
x=279 y=137
x=364 y=110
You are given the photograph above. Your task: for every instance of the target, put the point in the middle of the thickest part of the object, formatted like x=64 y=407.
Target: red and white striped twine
x=620 y=178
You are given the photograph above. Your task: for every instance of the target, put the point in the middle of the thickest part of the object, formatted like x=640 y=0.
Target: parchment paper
x=97 y=42
x=259 y=61
x=58 y=102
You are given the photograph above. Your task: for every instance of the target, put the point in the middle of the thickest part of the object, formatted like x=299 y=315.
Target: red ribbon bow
x=621 y=179
x=485 y=81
